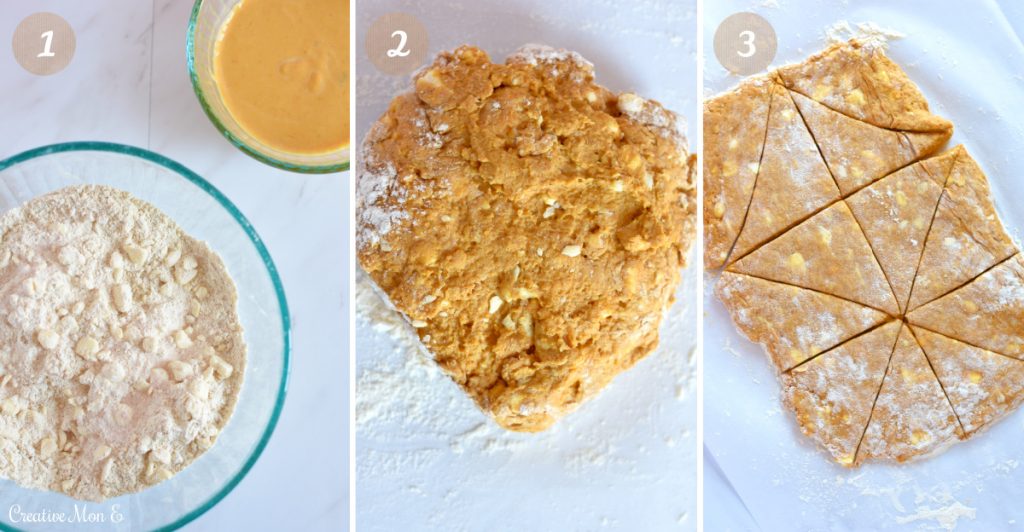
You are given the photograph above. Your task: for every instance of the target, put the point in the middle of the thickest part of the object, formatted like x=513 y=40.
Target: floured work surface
x=529 y=223
x=875 y=273
x=121 y=352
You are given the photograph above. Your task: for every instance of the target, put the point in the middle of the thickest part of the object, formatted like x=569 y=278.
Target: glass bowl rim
x=250 y=231
x=190 y=55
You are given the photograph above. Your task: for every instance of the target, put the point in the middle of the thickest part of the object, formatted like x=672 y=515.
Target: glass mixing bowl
x=203 y=212
x=208 y=16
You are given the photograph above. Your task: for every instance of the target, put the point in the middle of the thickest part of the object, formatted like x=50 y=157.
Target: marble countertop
x=128 y=83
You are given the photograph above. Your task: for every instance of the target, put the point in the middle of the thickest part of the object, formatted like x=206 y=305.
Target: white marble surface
x=128 y=83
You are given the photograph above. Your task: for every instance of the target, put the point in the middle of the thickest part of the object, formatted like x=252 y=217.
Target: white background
x=967 y=59
x=128 y=83
x=627 y=459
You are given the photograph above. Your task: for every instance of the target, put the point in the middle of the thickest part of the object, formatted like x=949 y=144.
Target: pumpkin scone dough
x=856 y=79
x=982 y=386
x=987 y=312
x=793 y=324
x=792 y=182
x=734 y=134
x=858 y=153
x=832 y=393
x=530 y=224
x=848 y=93
x=895 y=214
x=966 y=237
x=828 y=253
x=889 y=297
x=911 y=417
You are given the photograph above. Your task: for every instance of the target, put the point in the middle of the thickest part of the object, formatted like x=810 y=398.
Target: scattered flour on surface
x=869 y=32
x=947 y=517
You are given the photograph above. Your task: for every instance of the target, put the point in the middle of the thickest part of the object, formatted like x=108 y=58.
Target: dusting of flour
x=414 y=425
x=867 y=32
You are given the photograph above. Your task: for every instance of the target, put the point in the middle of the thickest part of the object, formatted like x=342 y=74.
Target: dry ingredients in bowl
x=121 y=352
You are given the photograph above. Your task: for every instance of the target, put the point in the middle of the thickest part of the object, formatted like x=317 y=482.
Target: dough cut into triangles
x=832 y=393
x=792 y=182
x=858 y=153
x=983 y=386
x=793 y=324
x=734 y=132
x=987 y=312
x=966 y=236
x=828 y=253
x=857 y=79
x=895 y=213
x=911 y=416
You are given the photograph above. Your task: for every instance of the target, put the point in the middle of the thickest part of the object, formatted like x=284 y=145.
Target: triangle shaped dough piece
x=895 y=213
x=856 y=79
x=966 y=237
x=734 y=132
x=793 y=324
x=987 y=312
x=832 y=394
x=828 y=253
x=792 y=182
x=983 y=386
x=911 y=416
x=858 y=153
x=941 y=165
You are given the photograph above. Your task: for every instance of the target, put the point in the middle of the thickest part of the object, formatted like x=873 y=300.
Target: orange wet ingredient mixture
x=282 y=70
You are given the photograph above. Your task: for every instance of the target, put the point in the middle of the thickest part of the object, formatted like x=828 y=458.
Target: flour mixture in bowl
x=121 y=352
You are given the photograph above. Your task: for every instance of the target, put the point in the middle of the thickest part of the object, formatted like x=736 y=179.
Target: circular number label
x=745 y=43
x=43 y=43
x=396 y=43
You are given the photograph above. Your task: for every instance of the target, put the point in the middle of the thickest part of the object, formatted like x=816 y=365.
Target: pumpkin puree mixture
x=282 y=70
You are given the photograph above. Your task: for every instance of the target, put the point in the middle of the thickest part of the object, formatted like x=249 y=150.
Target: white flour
x=413 y=422
x=121 y=355
x=868 y=32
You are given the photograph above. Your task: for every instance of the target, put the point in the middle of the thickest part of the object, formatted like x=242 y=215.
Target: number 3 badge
x=745 y=43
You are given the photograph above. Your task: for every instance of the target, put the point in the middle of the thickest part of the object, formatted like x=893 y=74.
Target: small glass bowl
x=208 y=17
x=203 y=212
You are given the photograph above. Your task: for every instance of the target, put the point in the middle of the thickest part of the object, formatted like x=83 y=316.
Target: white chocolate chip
x=136 y=254
x=221 y=368
x=47 y=447
x=122 y=297
x=173 y=257
x=183 y=275
x=179 y=370
x=87 y=347
x=572 y=250
x=182 y=340
x=47 y=338
x=495 y=304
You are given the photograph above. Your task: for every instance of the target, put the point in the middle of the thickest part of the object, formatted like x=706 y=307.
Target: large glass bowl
x=208 y=16
x=203 y=212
